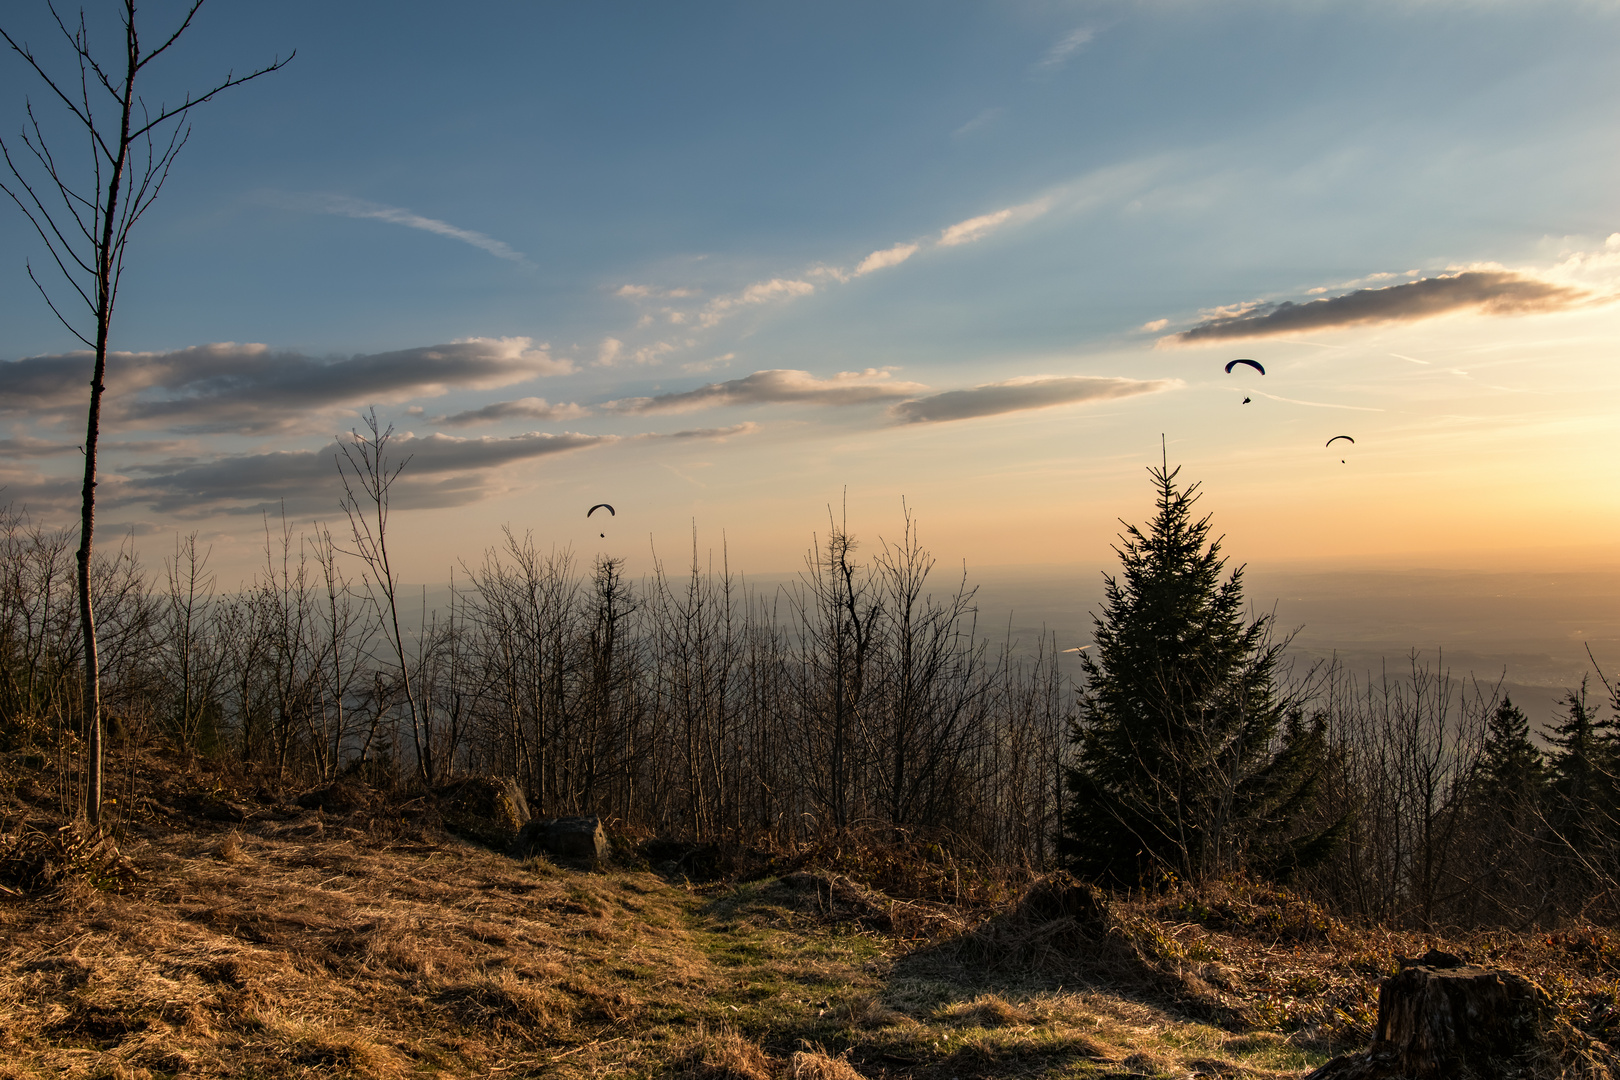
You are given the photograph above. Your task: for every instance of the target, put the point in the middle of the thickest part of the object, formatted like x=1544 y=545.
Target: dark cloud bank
x=251 y=389
x=1493 y=292
x=442 y=471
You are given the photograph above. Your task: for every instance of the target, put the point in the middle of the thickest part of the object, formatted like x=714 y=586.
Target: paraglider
x=1245 y=401
x=1252 y=363
x=602 y=506
x=1336 y=438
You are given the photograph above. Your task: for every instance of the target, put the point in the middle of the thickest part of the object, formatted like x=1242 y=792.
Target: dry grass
x=819 y=1065
x=350 y=937
x=721 y=1055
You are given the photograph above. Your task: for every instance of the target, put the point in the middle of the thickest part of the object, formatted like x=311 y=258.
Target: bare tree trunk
x=86 y=237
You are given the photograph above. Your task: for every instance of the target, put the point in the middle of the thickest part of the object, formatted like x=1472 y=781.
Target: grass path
x=285 y=952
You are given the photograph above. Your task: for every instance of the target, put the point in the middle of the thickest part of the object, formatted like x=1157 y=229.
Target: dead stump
x=1440 y=1017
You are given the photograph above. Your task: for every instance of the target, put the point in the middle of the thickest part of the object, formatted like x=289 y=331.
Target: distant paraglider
x=1252 y=363
x=602 y=506
x=1245 y=401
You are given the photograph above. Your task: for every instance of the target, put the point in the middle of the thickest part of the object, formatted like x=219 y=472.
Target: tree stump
x=1441 y=1017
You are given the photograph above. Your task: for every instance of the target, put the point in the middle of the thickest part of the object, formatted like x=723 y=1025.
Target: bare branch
x=191 y=103
x=184 y=24
x=52 y=305
x=81 y=114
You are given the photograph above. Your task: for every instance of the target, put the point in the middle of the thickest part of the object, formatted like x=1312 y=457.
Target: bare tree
x=85 y=219
x=364 y=464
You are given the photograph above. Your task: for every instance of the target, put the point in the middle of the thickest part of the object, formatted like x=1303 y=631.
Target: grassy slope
x=292 y=945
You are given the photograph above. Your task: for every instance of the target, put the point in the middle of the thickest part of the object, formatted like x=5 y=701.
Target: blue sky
x=932 y=251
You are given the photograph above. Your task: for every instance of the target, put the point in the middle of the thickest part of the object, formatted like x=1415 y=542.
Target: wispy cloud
x=983 y=120
x=965 y=232
x=716 y=434
x=1065 y=47
x=654 y=292
x=977 y=228
x=779 y=386
x=882 y=260
x=396 y=215
x=1489 y=292
x=528 y=408
x=248 y=389
x=760 y=292
x=1019 y=395
x=1316 y=404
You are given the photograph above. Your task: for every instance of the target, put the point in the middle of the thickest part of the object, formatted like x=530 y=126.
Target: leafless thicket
x=692 y=705
x=689 y=704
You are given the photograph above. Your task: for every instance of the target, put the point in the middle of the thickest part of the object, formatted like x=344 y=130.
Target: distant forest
x=861 y=700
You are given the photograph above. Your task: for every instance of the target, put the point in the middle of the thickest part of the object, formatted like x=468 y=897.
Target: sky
x=743 y=269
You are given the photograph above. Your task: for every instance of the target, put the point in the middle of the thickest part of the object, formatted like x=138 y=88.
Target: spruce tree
x=1585 y=798
x=1190 y=758
x=1503 y=848
x=1511 y=772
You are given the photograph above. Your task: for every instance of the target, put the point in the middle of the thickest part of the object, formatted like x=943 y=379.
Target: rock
x=569 y=839
x=489 y=809
x=1457 y=1019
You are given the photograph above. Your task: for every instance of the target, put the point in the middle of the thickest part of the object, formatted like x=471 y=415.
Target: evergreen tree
x=1583 y=767
x=1503 y=846
x=1190 y=759
x=1511 y=772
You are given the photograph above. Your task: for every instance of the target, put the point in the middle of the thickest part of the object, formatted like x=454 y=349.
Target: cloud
x=779 y=386
x=394 y=215
x=882 y=260
x=761 y=292
x=1018 y=395
x=24 y=446
x=653 y=292
x=608 y=352
x=440 y=471
x=965 y=232
x=718 y=434
x=529 y=408
x=252 y=389
x=1156 y=325
x=1065 y=47
x=1490 y=292
x=1316 y=404
x=977 y=228
x=703 y=367
x=984 y=119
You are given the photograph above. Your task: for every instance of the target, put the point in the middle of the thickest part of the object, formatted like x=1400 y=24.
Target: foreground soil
x=296 y=946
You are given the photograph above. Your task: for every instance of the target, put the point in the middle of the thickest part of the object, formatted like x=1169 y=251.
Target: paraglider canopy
x=601 y=506
x=1336 y=438
x=1252 y=363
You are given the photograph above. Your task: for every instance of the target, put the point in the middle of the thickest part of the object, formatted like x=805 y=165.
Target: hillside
x=365 y=941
